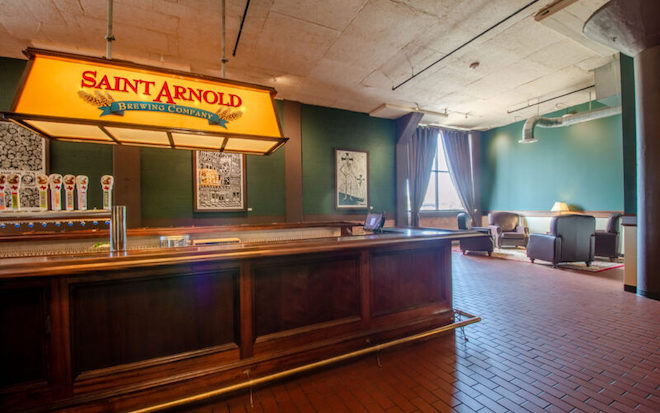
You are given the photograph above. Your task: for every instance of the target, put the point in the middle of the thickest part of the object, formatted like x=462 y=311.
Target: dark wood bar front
x=130 y=330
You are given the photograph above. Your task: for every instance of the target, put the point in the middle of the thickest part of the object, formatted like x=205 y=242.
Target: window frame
x=435 y=169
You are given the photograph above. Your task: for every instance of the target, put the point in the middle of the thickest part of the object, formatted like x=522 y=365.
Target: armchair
x=484 y=243
x=507 y=230
x=607 y=242
x=571 y=238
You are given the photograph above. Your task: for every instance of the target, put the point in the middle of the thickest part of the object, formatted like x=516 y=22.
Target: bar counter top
x=102 y=331
x=51 y=265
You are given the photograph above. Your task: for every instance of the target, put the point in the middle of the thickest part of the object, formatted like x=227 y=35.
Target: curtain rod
x=456 y=128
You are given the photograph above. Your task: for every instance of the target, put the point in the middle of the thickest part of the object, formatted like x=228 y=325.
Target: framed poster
x=351 y=179
x=24 y=153
x=220 y=183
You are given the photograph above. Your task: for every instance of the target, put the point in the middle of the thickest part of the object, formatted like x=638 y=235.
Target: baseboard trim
x=648 y=294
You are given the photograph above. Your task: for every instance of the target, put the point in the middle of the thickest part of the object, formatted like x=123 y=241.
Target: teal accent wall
x=91 y=159
x=629 y=135
x=11 y=71
x=581 y=165
x=323 y=130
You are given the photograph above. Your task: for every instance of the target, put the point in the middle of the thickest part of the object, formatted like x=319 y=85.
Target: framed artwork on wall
x=219 y=181
x=351 y=179
x=22 y=152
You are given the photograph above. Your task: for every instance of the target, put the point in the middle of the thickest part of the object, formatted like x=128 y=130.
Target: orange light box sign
x=58 y=86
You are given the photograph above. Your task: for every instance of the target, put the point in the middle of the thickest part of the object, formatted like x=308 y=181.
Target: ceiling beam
x=406 y=125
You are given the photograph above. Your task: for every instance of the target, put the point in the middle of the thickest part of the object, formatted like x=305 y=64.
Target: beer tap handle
x=14 y=181
x=3 y=184
x=42 y=185
x=106 y=183
x=82 y=182
x=69 y=186
x=55 y=184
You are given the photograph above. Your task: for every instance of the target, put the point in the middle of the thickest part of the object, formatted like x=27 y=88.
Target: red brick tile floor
x=550 y=340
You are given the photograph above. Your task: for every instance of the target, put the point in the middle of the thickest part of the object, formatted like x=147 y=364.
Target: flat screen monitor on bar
x=374 y=222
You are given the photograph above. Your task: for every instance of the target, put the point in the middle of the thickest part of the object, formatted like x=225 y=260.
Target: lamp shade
x=560 y=207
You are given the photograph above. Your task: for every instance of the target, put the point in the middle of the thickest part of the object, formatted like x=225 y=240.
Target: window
x=441 y=194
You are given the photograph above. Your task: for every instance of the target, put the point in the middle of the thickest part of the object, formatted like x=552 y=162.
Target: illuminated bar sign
x=80 y=98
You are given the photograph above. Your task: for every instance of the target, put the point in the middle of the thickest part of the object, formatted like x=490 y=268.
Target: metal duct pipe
x=566 y=120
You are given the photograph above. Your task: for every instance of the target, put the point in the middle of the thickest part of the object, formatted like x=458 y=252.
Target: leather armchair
x=571 y=238
x=484 y=243
x=607 y=242
x=507 y=230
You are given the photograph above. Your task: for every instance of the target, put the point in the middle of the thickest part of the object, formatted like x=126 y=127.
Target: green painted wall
x=167 y=190
x=160 y=200
x=324 y=129
x=166 y=183
x=91 y=159
x=10 y=74
x=580 y=164
x=629 y=135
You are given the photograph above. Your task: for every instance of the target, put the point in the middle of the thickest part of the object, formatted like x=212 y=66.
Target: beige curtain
x=421 y=152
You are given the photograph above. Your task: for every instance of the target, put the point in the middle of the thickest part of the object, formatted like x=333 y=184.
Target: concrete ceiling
x=346 y=54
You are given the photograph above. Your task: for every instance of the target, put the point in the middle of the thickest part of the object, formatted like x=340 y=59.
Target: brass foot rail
x=471 y=319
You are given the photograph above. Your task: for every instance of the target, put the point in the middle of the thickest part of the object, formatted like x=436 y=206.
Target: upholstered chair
x=507 y=230
x=607 y=242
x=571 y=238
x=484 y=243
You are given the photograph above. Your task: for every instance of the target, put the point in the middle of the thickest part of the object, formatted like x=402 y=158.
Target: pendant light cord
x=109 y=36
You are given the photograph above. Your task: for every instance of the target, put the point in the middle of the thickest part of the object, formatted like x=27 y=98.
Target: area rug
x=597 y=265
x=520 y=254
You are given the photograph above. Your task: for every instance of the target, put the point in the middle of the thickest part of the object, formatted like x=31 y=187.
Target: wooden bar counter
x=122 y=331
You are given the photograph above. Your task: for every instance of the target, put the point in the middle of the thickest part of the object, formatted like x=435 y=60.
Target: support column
x=475 y=154
x=127 y=188
x=293 y=162
x=632 y=27
x=629 y=132
x=405 y=127
x=629 y=135
x=402 y=219
x=647 y=92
